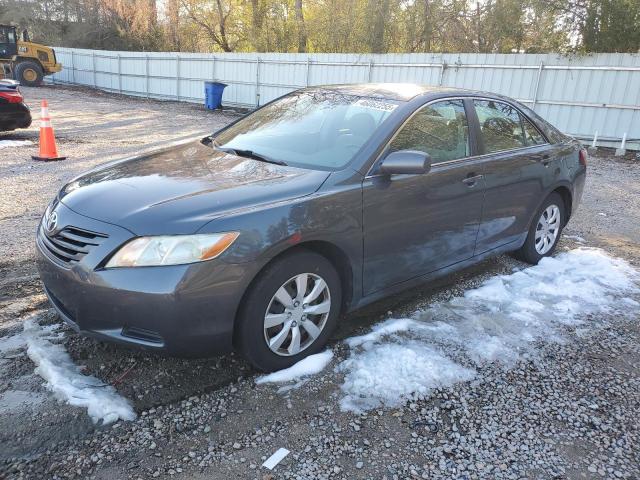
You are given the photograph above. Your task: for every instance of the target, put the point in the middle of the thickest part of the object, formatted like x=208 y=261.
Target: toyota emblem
x=51 y=223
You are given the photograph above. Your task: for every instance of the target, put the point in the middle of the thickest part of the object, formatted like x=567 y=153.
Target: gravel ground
x=569 y=412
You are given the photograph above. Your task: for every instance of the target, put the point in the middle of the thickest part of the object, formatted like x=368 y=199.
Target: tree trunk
x=173 y=14
x=224 y=43
x=379 y=9
x=257 y=21
x=302 y=29
x=427 y=29
x=479 y=32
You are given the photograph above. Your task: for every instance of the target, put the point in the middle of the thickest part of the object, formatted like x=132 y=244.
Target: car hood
x=180 y=189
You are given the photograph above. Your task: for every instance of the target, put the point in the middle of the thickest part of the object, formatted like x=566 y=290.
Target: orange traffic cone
x=48 y=148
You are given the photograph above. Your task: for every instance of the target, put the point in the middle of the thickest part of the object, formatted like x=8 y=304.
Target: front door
x=416 y=224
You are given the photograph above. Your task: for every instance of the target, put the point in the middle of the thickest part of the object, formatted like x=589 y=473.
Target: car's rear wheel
x=290 y=311
x=29 y=73
x=545 y=231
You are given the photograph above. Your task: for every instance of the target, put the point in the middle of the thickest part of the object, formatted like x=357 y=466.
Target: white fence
x=583 y=96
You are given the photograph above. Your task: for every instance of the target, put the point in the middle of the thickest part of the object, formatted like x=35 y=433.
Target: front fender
x=331 y=216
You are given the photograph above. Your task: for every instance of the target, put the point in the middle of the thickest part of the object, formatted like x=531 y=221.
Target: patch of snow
x=387 y=373
x=307 y=366
x=496 y=322
x=14 y=143
x=11 y=343
x=64 y=379
x=577 y=238
x=389 y=327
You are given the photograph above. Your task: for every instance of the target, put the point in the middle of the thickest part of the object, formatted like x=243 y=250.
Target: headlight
x=171 y=250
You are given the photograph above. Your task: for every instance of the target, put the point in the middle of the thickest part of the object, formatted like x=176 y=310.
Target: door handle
x=545 y=160
x=471 y=180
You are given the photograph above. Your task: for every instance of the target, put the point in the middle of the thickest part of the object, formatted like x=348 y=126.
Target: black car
x=324 y=200
x=13 y=111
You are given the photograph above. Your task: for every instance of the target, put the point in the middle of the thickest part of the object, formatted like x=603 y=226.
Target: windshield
x=314 y=129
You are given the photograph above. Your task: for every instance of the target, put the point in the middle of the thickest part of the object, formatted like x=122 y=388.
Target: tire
x=531 y=253
x=251 y=331
x=29 y=73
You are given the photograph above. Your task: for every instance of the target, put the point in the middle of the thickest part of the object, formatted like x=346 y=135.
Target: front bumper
x=14 y=115
x=183 y=310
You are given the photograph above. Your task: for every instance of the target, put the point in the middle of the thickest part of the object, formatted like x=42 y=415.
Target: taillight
x=11 y=96
x=583 y=157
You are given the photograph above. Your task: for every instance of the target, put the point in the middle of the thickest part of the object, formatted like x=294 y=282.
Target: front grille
x=70 y=244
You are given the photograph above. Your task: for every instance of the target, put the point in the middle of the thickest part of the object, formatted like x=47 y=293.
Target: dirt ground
x=208 y=419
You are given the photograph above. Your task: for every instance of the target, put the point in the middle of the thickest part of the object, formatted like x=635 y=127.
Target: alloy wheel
x=547 y=229
x=297 y=314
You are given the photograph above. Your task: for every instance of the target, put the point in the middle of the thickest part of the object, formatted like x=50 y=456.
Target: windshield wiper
x=250 y=154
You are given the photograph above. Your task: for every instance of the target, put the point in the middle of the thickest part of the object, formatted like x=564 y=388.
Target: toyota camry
x=258 y=237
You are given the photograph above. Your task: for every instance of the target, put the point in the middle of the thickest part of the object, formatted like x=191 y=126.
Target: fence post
x=593 y=149
x=369 y=73
x=93 y=62
x=620 y=152
x=178 y=77
x=443 y=65
x=146 y=74
x=119 y=74
x=308 y=70
x=73 y=68
x=213 y=68
x=535 y=92
x=257 y=82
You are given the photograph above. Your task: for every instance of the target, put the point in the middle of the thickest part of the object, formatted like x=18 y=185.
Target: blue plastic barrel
x=213 y=94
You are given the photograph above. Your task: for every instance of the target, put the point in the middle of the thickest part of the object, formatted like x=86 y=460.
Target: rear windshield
x=312 y=129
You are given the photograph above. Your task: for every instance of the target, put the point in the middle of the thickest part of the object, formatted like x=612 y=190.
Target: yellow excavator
x=23 y=60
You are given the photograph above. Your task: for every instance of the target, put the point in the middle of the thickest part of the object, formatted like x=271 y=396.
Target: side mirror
x=407 y=162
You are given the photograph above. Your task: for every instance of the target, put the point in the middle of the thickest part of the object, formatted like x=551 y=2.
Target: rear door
x=517 y=164
x=416 y=224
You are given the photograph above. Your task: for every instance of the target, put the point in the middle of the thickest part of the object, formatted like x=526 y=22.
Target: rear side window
x=500 y=126
x=439 y=129
x=532 y=134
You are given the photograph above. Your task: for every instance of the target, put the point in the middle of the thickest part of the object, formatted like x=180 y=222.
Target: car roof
x=394 y=91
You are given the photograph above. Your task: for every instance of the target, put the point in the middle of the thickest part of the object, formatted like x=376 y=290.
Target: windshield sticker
x=376 y=104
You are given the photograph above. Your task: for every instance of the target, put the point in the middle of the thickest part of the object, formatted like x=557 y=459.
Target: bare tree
x=302 y=29
x=379 y=10
x=173 y=20
x=214 y=22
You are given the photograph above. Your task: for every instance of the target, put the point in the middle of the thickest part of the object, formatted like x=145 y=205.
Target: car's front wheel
x=290 y=311
x=545 y=231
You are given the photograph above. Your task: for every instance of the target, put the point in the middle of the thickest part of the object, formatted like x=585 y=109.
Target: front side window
x=319 y=129
x=500 y=126
x=7 y=35
x=439 y=129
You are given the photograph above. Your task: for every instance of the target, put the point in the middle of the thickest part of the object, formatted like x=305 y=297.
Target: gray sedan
x=258 y=237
